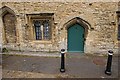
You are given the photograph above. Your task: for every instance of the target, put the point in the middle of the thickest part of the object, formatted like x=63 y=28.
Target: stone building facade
x=51 y=26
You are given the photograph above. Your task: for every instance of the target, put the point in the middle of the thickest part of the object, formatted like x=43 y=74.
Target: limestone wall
x=0 y=28
x=100 y=15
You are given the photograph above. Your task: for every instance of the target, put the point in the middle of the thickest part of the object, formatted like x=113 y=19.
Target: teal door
x=76 y=38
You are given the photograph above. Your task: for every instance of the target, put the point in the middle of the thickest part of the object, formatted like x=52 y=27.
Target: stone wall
x=9 y=27
x=102 y=34
x=0 y=28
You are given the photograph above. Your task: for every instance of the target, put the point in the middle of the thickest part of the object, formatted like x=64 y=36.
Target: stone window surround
x=39 y=16
x=42 y=28
x=79 y=21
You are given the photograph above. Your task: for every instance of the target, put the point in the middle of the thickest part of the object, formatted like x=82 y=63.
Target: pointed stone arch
x=68 y=22
x=6 y=9
x=9 y=25
x=78 y=20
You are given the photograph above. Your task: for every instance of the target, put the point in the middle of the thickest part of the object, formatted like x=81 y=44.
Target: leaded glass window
x=46 y=30
x=38 y=31
x=42 y=29
x=119 y=30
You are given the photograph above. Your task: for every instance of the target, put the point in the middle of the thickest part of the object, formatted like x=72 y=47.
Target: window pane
x=119 y=31
x=46 y=30
x=38 y=31
x=119 y=28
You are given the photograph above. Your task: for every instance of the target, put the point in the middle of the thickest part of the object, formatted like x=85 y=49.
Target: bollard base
x=62 y=70
x=107 y=72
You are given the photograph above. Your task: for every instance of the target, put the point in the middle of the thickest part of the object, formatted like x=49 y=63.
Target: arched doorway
x=75 y=38
x=72 y=39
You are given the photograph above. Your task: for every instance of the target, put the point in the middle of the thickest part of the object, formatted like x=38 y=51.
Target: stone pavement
x=27 y=53
x=77 y=66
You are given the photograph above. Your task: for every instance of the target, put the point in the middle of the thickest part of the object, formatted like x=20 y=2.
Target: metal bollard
x=62 y=69
x=109 y=63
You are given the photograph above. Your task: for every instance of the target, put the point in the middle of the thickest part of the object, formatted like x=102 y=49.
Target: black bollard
x=62 y=69
x=109 y=63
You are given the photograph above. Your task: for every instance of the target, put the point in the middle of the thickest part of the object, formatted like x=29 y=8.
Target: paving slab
x=76 y=65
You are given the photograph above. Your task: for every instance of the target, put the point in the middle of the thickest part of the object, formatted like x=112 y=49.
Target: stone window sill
x=39 y=41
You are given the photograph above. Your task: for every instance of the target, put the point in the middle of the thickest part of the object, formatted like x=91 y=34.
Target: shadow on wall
x=0 y=48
